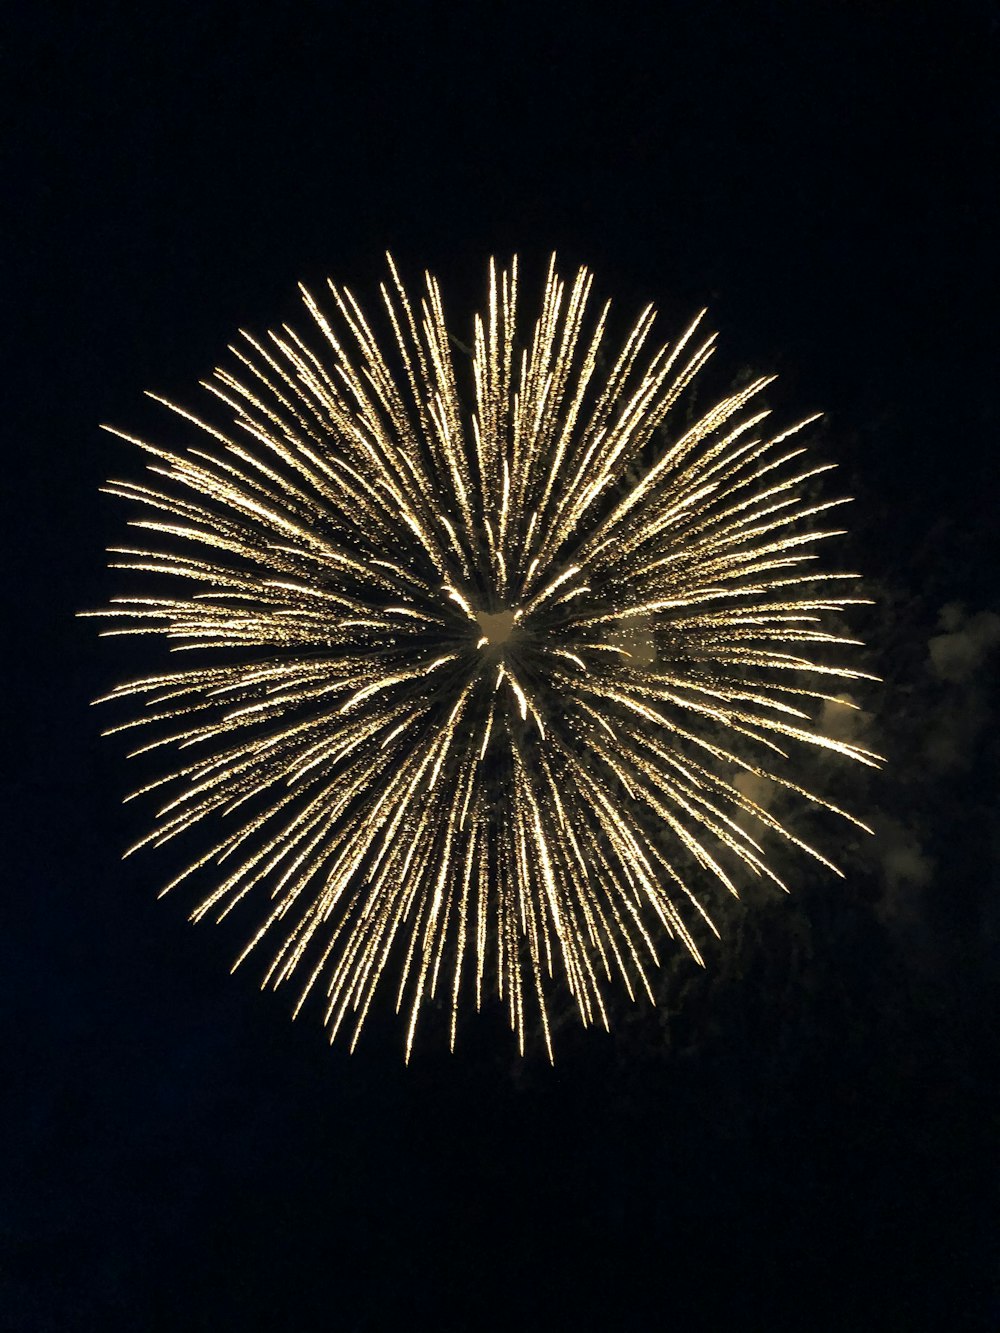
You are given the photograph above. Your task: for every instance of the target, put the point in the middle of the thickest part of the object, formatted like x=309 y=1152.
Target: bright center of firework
x=497 y=626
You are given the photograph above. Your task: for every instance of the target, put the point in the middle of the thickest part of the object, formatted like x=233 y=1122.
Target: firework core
x=497 y=626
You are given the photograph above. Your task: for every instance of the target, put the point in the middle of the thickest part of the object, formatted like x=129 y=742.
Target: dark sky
x=804 y=1137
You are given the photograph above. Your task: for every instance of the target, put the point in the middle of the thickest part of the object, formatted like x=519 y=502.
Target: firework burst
x=473 y=688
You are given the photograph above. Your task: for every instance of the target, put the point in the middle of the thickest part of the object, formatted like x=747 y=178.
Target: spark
x=405 y=794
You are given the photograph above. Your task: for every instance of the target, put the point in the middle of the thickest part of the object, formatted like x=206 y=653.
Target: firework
x=482 y=648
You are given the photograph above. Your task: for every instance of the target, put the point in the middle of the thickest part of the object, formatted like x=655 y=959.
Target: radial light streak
x=480 y=650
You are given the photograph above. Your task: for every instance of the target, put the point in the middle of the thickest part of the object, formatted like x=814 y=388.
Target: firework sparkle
x=472 y=687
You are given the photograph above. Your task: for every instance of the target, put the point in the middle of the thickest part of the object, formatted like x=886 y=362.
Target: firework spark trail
x=478 y=683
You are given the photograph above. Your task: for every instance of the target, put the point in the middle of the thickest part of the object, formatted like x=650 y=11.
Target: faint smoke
x=903 y=861
x=906 y=872
x=842 y=720
x=960 y=659
x=966 y=644
x=758 y=789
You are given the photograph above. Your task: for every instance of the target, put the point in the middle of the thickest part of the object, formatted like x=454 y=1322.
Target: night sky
x=802 y=1136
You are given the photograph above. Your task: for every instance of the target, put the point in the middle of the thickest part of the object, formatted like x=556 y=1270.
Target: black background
x=805 y=1138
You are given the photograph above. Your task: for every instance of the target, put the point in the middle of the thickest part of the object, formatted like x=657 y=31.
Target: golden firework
x=475 y=687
